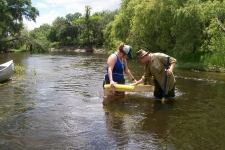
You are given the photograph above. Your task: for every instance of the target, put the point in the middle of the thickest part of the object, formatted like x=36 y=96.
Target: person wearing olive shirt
x=155 y=64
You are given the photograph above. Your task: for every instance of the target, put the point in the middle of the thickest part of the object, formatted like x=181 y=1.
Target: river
x=58 y=104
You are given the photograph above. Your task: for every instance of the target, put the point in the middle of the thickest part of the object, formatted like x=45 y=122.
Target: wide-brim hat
x=141 y=53
x=127 y=50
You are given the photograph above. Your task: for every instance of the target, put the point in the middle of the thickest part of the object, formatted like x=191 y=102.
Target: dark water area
x=58 y=104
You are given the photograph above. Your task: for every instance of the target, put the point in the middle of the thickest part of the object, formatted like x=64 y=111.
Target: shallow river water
x=58 y=104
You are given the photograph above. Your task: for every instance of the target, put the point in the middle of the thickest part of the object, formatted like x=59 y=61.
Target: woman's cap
x=127 y=50
x=141 y=53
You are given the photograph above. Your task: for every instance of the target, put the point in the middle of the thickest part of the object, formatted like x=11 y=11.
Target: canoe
x=6 y=70
x=130 y=88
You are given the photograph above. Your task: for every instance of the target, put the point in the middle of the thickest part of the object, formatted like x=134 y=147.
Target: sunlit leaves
x=172 y=26
x=12 y=13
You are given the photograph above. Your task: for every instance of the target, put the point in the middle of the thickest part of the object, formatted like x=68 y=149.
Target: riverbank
x=78 y=49
x=195 y=67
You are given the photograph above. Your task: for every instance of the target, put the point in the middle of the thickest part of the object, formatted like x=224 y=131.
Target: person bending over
x=155 y=64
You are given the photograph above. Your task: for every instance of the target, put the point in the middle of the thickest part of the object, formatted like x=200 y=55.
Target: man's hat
x=141 y=53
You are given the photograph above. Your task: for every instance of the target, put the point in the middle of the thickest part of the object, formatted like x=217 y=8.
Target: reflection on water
x=62 y=107
x=137 y=122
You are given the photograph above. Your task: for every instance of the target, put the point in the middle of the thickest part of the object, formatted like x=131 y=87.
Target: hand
x=112 y=84
x=168 y=72
x=134 y=81
x=134 y=84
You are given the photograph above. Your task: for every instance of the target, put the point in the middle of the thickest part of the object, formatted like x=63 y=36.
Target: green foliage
x=40 y=36
x=75 y=29
x=80 y=30
x=11 y=21
x=34 y=72
x=144 y=24
x=52 y=35
x=191 y=30
x=23 y=48
x=55 y=44
x=19 y=69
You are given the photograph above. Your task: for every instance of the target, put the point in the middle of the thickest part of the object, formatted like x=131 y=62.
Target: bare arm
x=170 y=70
x=172 y=62
x=138 y=82
x=128 y=73
x=111 y=63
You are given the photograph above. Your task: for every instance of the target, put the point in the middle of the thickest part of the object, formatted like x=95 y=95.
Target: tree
x=86 y=25
x=100 y=21
x=11 y=20
x=39 y=35
x=63 y=30
x=87 y=35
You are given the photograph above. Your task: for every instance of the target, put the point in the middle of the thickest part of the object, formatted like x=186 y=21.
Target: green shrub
x=19 y=69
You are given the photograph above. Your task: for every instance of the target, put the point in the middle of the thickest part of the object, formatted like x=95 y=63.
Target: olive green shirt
x=155 y=69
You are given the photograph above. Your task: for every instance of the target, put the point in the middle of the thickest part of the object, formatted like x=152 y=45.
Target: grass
x=200 y=67
x=19 y=69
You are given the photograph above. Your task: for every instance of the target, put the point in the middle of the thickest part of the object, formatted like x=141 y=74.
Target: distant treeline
x=76 y=29
x=193 y=31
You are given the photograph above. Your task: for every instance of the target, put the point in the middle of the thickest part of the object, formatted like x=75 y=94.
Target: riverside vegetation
x=192 y=31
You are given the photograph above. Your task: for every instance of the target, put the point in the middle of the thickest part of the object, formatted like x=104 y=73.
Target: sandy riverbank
x=74 y=49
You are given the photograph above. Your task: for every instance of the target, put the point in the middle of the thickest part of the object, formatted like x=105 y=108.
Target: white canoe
x=6 y=70
x=130 y=88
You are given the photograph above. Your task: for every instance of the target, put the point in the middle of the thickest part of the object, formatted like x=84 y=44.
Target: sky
x=51 y=9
